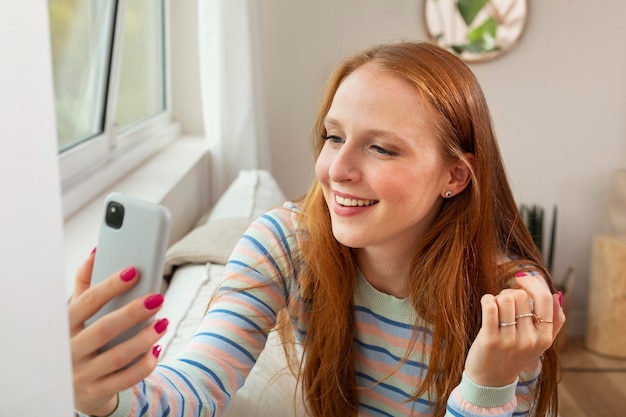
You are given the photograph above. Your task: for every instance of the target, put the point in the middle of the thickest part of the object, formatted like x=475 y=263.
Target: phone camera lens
x=114 y=215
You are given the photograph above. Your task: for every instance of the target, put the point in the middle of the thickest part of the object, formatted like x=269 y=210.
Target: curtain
x=230 y=92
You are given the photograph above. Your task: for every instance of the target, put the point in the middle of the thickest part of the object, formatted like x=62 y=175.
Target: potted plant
x=533 y=217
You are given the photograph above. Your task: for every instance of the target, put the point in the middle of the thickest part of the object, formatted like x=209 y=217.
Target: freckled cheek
x=388 y=190
x=401 y=187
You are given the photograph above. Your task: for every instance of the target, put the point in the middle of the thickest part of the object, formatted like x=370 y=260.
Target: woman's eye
x=382 y=150
x=332 y=138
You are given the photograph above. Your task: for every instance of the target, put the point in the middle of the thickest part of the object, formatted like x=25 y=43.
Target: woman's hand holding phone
x=112 y=312
x=99 y=376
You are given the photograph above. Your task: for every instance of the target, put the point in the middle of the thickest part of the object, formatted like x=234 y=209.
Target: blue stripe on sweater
x=174 y=387
x=237 y=315
x=188 y=383
x=375 y=410
x=257 y=300
x=280 y=231
x=390 y=355
x=399 y=324
x=392 y=389
x=217 y=380
x=229 y=342
x=266 y=253
x=453 y=412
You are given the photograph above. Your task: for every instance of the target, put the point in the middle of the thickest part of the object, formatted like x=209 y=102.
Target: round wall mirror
x=476 y=30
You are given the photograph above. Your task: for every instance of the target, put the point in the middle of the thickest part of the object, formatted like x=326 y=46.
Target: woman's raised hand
x=514 y=332
x=98 y=377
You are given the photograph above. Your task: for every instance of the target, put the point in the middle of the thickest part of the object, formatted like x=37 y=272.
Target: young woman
x=405 y=274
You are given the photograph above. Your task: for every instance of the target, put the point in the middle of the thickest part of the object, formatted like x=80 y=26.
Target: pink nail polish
x=560 y=293
x=93 y=251
x=161 y=325
x=156 y=351
x=153 y=301
x=128 y=274
x=520 y=274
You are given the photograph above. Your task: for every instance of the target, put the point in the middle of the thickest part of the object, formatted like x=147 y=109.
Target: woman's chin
x=349 y=238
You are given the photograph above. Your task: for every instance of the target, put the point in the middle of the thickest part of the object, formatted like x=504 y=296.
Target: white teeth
x=352 y=202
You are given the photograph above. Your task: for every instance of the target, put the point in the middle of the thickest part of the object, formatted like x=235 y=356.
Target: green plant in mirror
x=481 y=38
x=475 y=30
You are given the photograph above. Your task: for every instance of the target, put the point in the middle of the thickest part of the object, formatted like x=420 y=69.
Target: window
x=81 y=44
x=141 y=89
x=111 y=87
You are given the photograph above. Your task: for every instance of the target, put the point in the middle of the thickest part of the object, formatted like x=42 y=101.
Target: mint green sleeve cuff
x=486 y=396
x=124 y=403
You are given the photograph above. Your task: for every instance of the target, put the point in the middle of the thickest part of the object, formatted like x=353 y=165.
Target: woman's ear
x=460 y=175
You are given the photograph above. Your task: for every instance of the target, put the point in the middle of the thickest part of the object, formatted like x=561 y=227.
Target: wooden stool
x=606 y=326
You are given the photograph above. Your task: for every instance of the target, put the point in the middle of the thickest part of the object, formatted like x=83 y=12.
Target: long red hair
x=472 y=231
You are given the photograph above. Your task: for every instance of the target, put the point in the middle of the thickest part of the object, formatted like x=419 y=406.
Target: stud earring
x=448 y=194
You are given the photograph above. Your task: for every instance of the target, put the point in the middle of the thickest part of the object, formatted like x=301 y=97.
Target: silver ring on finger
x=519 y=316
x=507 y=324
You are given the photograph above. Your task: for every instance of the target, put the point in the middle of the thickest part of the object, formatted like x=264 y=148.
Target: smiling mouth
x=350 y=202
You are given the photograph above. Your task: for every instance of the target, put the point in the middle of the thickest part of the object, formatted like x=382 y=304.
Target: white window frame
x=90 y=168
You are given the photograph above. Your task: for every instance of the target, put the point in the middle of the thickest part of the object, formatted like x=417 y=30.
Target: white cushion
x=250 y=195
x=185 y=303
x=270 y=389
x=210 y=242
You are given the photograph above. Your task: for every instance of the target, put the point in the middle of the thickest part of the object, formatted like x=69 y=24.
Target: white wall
x=35 y=376
x=558 y=101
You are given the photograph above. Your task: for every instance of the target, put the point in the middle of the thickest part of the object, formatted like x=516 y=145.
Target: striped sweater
x=202 y=378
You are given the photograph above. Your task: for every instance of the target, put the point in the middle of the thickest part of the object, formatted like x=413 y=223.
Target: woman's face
x=381 y=167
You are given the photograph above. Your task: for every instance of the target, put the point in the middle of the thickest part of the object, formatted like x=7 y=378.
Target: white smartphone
x=135 y=233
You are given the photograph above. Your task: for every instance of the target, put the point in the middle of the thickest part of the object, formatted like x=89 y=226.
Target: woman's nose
x=345 y=166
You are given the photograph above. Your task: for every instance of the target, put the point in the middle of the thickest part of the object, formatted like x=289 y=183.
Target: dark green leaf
x=469 y=9
x=458 y=48
x=474 y=47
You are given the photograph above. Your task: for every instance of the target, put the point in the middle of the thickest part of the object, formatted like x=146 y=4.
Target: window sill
x=80 y=183
x=177 y=177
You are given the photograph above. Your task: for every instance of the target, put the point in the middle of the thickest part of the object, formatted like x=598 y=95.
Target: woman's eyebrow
x=333 y=122
x=330 y=121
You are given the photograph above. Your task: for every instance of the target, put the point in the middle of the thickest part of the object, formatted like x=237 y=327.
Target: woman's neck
x=388 y=272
